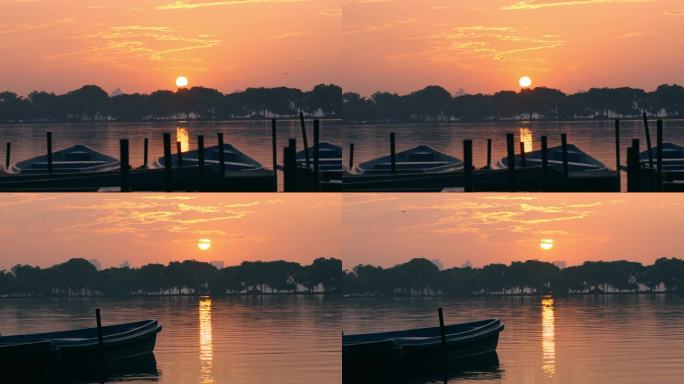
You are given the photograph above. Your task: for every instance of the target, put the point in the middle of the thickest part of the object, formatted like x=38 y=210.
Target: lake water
x=271 y=339
x=599 y=339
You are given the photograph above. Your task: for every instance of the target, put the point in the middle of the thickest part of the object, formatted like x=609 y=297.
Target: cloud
x=182 y=4
x=32 y=27
x=533 y=5
x=674 y=12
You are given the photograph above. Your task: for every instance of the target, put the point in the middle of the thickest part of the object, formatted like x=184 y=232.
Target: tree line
x=79 y=277
x=422 y=277
x=92 y=103
x=434 y=103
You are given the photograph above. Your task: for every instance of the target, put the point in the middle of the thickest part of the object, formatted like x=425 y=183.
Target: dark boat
x=27 y=362
x=329 y=159
x=673 y=157
x=76 y=159
x=234 y=159
x=578 y=160
x=417 y=160
x=79 y=349
x=369 y=362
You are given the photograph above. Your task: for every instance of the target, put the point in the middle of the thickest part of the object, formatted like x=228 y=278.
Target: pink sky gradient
x=45 y=229
x=388 y=229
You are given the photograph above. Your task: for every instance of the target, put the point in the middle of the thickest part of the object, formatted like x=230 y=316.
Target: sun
x=525 y=82
x=181 y=81
x=204 y=244
x=546 y=244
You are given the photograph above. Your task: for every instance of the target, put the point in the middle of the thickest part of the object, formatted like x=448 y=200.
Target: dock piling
x=442 y=332
x=100 y=340
x=179 y=154
x=393 y=154
x=523 y=162
x=49 y=152
x=305 y=141
x=468 y=165
x=510 y=149
x=274 y=149
x=659 y=154
x=124 y=165
x=167 y=162
x=200 y=160
x=617 y=153
x=316 y=154
x=564 y=147
x=545 y=161
x=221 y=154
x=632 y=169
x=8 y=152
x=648 y=141
x=351 y=156
x=290 y=166
x=489 y=153
x=146 y=143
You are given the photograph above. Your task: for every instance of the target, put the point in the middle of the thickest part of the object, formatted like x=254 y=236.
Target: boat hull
x=27 y=363
x=73 y=160
x=578 y=160
x=234 y=160
x=422 y=159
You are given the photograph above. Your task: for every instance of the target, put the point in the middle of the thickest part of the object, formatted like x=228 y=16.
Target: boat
x=673 y=157
x=329 y=159
x=234 y=159
x=27 y=362
x=578 y=160
x=421 y=159
x=79 y=349
x=75 y=159
x=369 y=362
x=464 y=340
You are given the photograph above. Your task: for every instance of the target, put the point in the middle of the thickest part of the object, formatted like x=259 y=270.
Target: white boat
x=329 y=158
x=234 y=159
x=578 y=160
x=673 y=157
x=422 y=159
x=76 y=159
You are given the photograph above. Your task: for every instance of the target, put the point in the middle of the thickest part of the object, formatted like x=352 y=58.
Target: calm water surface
x=606 y=339
x=293 y=339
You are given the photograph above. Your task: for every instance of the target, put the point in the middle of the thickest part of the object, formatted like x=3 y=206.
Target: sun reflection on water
x=206 y=342
x=548 y=337
x=183 y=136
x=526 y=139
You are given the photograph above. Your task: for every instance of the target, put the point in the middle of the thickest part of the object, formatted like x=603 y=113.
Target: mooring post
x=636 y=144
x=632 y=170
x=467 y=165
x=100 y=341
x=221 y=154
x=545 y=162
x=179 y=154
x=200 y=160
x=510 y=149
x=167 y=162
x=659 y=154
x=489 y=153
x=290 y=166
x=351 y=156
x=146 y=143
x=523 y=162
x=274 y=149
x=393 y=154
x=617 y=154
x=648 y=142
x=442 y=332
x=564 y=147
x=7 y=155
x=316 y=154
x=306 y=142
x=124 y=165
x=49 y=152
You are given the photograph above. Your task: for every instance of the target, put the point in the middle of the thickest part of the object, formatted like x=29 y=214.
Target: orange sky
x=44 y=229
x=487 y=45
x=388 y=229
x=362 y=45
x=136 y=45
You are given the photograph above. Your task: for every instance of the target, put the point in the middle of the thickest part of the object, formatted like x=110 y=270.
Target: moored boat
x=422 y=159
x=578 y=160
x=27 y=362
x=234 y=159
x=673 y=157
x=329 y=159
x=80 y=349
x=75 y=159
